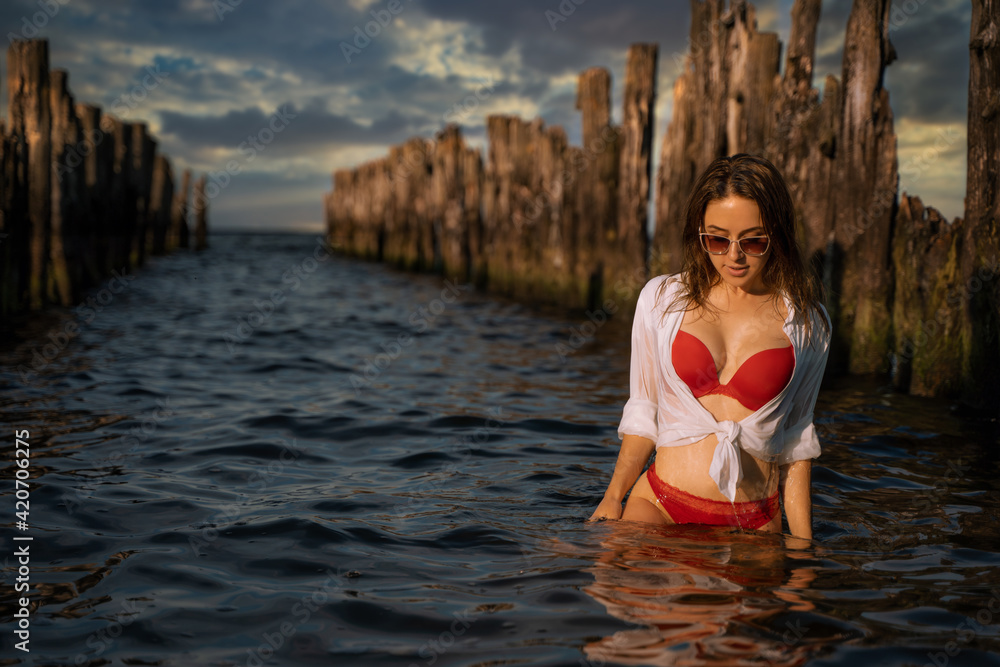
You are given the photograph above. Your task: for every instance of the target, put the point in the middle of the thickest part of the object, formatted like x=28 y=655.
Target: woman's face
x=736 y=218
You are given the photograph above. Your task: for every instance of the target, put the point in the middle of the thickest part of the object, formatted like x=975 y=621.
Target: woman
x=727 y=360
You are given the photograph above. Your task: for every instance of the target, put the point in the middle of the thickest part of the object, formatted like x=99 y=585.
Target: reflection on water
x=704 y=596
x=276 y=501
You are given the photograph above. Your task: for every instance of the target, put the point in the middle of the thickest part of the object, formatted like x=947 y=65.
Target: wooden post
x=514 y=206
x=472 y=191
x=410 y=245
x=448 y=201
x=96 y=149
x=981 y=238
x=160 y=205
x=697 y=132
x=926 y=321
x=674 y=180
x=143 y=161
x=801 y=136
x=753 y=64
x=635 y=168
x=864 y=192
x=28 y=95
x=375 y=208
x=121 y=214
x=597 y=191
x=15 y=245
x=200 y=214
x=178 y=236
x=338 y=222
x=67 y=186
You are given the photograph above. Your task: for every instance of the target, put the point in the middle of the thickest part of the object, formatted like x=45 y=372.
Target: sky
x=281 y=94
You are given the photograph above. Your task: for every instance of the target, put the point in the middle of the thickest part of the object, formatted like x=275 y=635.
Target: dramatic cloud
x=349 y=78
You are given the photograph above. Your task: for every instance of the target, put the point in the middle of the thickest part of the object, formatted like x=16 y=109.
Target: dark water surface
x=202 y=501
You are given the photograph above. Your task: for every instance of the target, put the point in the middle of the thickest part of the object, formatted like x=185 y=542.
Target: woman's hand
x=608 y=509
x=632 y=459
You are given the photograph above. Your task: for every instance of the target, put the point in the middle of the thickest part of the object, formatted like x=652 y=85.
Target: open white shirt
x=662 y=408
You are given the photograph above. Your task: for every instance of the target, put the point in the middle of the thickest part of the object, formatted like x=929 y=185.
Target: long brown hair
x=754 y=178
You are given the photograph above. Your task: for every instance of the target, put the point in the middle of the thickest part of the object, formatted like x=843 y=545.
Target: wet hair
x=754 y=178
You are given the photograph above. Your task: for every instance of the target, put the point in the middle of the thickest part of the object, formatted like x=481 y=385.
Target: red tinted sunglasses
x=754 y=246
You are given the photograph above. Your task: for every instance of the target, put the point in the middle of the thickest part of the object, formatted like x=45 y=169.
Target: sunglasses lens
x=755 y=245
x=716 y=244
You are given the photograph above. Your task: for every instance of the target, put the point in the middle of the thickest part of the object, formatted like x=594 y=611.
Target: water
x=198 y=500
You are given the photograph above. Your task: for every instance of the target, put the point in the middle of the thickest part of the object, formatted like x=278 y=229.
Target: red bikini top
x=757 y=381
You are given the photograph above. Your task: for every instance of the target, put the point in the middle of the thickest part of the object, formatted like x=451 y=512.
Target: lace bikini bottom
x=684 y=507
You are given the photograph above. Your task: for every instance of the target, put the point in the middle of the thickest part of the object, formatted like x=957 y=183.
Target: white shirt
x=662 y=408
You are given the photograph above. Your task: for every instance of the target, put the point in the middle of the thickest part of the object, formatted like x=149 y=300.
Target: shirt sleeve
x=639 y=415
x=801 y=441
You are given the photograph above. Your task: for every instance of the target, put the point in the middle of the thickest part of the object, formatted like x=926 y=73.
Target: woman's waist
x=762 y=445
x=686 y=467
x=724 y=418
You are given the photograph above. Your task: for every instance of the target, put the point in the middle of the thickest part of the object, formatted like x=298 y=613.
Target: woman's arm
x=632 y=459
x=637 y=428
x=797 y=497
x=801 y=441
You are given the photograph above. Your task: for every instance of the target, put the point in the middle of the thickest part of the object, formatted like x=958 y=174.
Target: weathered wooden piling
x=596 y=183
x=81 y=193
x=864 y=189
x=372 y=210
x=29 y=116
x=161 y=204
x=801 y=136
x=179 y=236
x=981 y=236
x=526 y=251
x=94 y=153
x=635 y=163
x=708 y=121
x=472 y=223
x=455 y=171
x=143 y=162
x=67 y=192
x=15 y=244
x=926 y=311
x=597 y=180
x=338 y=211
x=388 y=207
x=200 y=214
x=121 y=213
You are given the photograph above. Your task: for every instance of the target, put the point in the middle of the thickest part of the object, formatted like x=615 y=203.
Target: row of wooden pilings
x=912 y=296
x=82 y=193
x=541 y=219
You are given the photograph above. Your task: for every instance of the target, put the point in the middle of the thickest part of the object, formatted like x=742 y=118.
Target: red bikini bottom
x=684 y=507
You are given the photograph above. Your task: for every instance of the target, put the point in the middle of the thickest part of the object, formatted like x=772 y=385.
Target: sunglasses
x=755 y=246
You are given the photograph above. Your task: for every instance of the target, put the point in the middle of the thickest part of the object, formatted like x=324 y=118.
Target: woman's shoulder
x=659 y=293
x=819 y=323
x=655 y=289
x=667 y=282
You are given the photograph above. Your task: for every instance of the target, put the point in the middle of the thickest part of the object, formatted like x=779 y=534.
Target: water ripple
x=278 y=501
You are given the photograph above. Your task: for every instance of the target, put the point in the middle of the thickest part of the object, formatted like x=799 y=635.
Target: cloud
x=227 y=72
x=932 y=44
x=300 y=129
